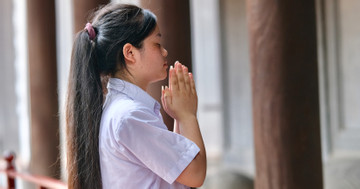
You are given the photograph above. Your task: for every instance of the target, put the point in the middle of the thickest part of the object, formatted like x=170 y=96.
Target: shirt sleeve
x=166 y=153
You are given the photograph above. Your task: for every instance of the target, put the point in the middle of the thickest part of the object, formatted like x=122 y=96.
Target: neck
x=131 y=79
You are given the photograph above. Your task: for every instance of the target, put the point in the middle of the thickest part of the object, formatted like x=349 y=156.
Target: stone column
x=9 y=135
x=285 y=88
x=174 y=22
x=43 y=88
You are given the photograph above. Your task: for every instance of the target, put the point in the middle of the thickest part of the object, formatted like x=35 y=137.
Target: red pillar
x=285 y=94
x=82 y=10
x=43 y=88
x=174 y=22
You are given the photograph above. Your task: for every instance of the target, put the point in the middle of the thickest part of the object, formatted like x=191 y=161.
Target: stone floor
x=340 y=173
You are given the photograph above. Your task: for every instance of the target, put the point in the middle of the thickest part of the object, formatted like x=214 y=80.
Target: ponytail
x=84 y=109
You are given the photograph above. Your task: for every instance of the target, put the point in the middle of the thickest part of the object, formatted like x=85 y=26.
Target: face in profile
x=153 y=57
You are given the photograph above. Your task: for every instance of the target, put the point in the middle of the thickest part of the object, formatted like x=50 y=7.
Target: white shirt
x=136 y=148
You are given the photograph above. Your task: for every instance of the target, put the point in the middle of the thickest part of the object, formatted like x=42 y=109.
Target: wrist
x=186 y=118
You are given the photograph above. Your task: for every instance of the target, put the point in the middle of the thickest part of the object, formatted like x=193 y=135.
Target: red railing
x=42 y=182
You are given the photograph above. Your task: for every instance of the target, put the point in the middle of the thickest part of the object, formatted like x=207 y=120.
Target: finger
x=192 y=83
x=180 y=77
x=170 y=75
x=186 y=78
x=176 y=64
x=174 y=85
x=167 y=98
x=162 y=97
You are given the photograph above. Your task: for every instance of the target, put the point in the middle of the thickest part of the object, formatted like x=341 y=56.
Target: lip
x=165 y=64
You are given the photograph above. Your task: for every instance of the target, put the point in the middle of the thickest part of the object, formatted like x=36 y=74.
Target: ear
x=128 y=52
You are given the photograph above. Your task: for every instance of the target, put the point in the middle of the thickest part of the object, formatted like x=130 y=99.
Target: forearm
x=195 y=173
x=189 y=128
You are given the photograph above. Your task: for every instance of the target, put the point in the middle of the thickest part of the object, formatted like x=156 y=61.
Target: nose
x=164 y=52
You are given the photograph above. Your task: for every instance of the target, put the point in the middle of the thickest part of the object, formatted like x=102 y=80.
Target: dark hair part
x=115 y=25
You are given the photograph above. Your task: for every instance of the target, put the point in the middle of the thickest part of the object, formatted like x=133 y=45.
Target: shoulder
x=120 y=105
x=122 y=109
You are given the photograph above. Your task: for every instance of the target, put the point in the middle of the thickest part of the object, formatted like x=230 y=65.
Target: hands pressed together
x=180 y=99
x=180 y=102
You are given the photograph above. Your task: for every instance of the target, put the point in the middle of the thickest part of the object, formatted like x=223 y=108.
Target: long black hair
x=114 y=25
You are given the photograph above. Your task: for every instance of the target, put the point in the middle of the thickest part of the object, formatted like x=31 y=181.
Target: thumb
x=167 y=97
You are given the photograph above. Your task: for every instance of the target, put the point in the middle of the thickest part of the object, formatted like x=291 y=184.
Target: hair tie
x=90 y=31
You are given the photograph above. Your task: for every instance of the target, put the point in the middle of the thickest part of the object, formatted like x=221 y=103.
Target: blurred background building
x=211 y=37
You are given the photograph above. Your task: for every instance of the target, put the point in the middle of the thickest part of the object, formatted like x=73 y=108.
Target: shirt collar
x=134 y=92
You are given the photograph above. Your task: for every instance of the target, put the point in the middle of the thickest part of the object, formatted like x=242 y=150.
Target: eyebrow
x=158 y=35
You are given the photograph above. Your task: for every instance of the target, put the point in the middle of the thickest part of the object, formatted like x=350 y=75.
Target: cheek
x=153 y=56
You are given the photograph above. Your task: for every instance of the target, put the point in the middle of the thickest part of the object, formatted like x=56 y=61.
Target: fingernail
x=171 y=67
x=162 y=87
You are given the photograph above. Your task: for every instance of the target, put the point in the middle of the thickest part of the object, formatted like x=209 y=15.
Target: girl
x=121 y=141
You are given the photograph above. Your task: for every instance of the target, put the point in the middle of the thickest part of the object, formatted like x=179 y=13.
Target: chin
x=162 y=78
x=159 y=79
